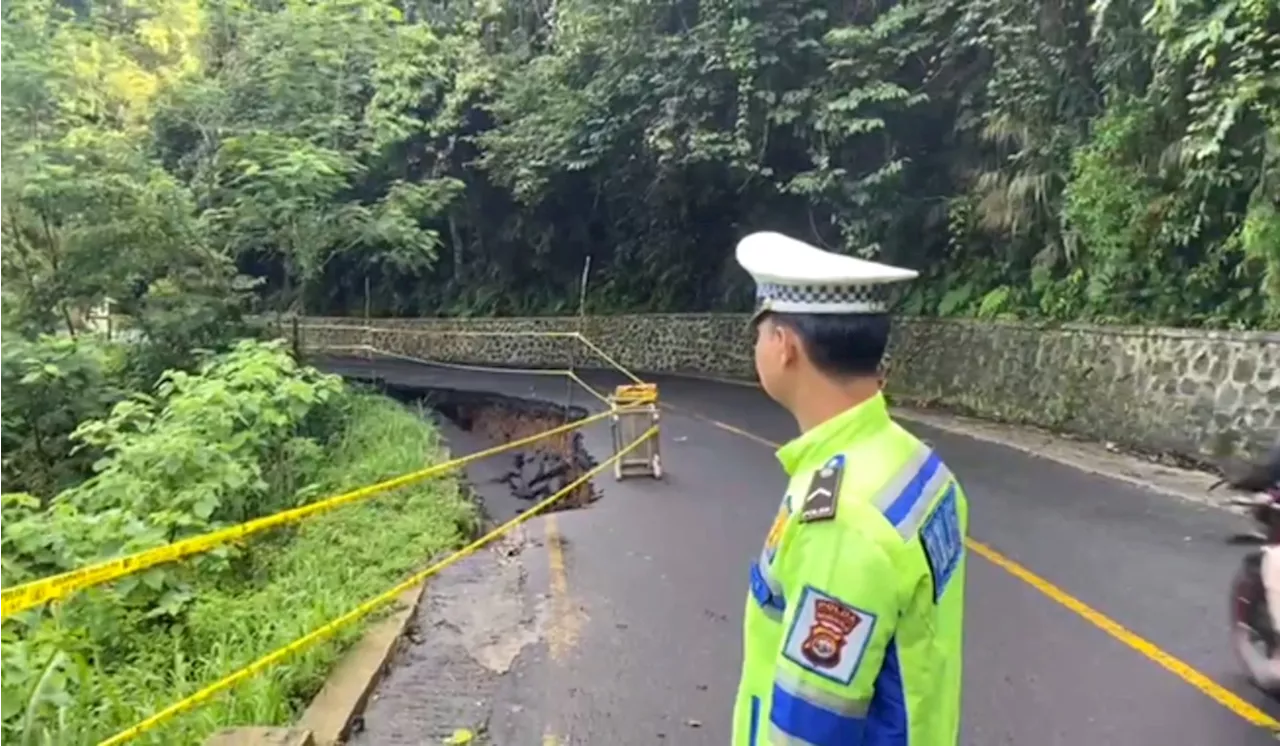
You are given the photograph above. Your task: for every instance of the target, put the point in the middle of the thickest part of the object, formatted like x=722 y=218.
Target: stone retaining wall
x=1190 y=392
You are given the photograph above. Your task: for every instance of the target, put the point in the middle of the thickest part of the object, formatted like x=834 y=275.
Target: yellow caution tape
x=363 y=609
x=435 y=332
x=608 y=358
x=590 y=390
x=28 y=595
x=479 y=368
x=460 y=333
x=353 y=348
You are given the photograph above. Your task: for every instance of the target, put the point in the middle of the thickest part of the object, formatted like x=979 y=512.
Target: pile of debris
x=538 y=470
x=546 y=466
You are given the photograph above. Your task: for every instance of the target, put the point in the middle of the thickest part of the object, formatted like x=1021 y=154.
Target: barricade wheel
x=657 y=466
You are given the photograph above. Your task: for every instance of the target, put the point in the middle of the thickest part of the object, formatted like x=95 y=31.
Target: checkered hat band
x=876 y=294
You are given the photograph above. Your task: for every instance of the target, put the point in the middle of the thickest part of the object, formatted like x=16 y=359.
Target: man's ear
x=789 y=344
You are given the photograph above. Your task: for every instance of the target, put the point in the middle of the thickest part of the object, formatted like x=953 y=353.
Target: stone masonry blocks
x=1193 y=392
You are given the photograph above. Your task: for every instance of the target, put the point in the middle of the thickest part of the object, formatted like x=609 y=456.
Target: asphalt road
x=642 y=594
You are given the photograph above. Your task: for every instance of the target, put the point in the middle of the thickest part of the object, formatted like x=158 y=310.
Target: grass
x=301 y=579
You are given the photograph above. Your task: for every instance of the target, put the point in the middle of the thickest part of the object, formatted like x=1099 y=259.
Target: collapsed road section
x=477 y=621
x=546 y=466
x=510 y=482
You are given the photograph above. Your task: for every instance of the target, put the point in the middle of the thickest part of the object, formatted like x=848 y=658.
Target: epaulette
x=824 y=491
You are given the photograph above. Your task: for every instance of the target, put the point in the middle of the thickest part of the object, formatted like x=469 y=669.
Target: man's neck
x=824 y=398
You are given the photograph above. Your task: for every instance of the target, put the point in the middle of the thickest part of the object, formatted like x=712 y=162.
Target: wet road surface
x=636 y=602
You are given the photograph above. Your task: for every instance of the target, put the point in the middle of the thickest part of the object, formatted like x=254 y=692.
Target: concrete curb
x=341 y=700
x=328 y=719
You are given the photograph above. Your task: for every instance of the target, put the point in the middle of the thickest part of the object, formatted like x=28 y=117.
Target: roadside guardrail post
x=635 y=411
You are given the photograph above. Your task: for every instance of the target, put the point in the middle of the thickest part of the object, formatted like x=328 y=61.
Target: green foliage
x=221 y=446
x=89 y=213
x=250 y=434
x=305 y=144
x=178 y=319
x=1107 y=209
x=52 y=385
x=1113 y=161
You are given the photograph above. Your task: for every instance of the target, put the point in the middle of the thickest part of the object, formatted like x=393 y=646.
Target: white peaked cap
x=793 y=277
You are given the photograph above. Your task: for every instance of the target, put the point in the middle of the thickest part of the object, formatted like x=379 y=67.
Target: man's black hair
x=840 y=345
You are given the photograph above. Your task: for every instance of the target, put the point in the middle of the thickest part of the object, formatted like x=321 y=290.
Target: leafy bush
x=250 y=434
x=1109 y=207
x=221 y=446
x=230 y=443
x=328 y=566
x=178 y=320
x=51 y=385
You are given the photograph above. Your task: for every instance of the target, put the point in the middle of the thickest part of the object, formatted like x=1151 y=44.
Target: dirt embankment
x=538 y=470
x=531 y=473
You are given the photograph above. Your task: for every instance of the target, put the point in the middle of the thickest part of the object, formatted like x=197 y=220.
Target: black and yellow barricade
x=641 y=399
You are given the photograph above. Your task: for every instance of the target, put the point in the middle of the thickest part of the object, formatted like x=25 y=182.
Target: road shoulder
x=1087 y=456
x=479 y=623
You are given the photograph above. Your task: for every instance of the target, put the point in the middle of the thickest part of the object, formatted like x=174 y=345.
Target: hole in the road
x=511 y=482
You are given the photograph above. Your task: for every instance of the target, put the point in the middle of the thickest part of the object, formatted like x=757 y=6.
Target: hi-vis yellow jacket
x=853 y=624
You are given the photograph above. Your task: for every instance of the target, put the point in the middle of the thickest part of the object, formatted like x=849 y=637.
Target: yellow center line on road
x=559 y=634
x=563 y=619
x=561 y=631
x=1117 y=631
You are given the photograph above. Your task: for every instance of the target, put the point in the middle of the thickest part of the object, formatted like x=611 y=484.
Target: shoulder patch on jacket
x=943 y=541
x=824 y=490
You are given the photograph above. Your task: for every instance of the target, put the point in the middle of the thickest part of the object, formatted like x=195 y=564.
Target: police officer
x=853 y=624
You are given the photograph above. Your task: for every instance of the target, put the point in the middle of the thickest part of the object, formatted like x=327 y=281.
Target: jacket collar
x=834 y=435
